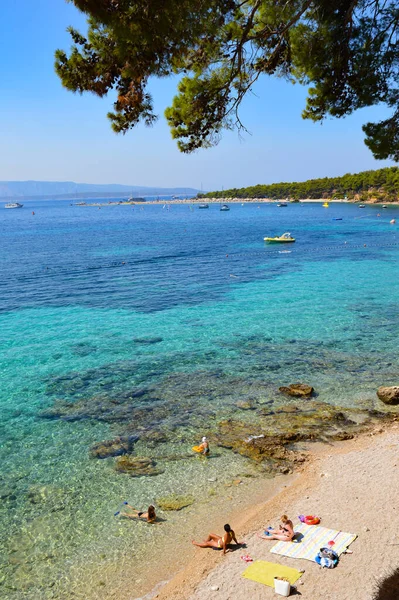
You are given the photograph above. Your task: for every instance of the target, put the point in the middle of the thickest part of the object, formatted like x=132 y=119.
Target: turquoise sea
x=156 y=322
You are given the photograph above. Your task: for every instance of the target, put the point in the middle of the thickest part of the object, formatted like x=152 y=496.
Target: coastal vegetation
x=381 y=185
x=345 y=52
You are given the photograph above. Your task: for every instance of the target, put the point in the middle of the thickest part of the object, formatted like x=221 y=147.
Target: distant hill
x=70 y=189
x=381 y=185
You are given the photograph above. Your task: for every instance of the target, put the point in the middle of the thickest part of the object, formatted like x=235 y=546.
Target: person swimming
x=219 y=541
x=148 y=516
x=284 y=533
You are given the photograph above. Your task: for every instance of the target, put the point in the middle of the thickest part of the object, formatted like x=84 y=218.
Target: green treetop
x=346 y=51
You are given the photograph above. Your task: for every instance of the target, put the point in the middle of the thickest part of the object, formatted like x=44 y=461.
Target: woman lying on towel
x=284 y=533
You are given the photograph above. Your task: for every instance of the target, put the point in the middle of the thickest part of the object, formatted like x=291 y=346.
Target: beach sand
x=353 y=486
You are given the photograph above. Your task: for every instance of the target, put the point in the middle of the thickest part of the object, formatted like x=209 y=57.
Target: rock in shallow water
x=389 y=394
x=298 y=390
x=137 y=466
x=246 y=404
x=55 y=498
x=153 y=340
x=174 y=502
x=154 y=437
x=116 y=447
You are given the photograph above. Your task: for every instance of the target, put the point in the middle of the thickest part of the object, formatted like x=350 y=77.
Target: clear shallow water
x=189 y=311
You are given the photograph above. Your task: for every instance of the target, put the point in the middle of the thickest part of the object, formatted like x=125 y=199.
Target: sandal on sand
x=246 y=558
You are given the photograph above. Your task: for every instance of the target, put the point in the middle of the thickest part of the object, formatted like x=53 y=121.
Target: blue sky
x=48 y=133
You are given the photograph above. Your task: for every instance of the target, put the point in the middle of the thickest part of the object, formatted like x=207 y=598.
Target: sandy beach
x=353 y=486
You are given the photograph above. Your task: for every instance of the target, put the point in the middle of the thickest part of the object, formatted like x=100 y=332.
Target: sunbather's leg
x=129 y=516
x=207 y=544
x=278 y=536
x=213 y=536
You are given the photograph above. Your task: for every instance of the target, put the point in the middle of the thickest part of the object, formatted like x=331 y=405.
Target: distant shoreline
x=231 y=201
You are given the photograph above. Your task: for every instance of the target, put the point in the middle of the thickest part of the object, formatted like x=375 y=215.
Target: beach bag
x=327 y=558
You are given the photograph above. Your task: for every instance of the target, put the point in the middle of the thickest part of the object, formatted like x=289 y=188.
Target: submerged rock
x=153 y=340
x=116 y=447
x=246 y=404
x=54 y=498
x=174 y=502
x=8 y=493
x=83 y=349
x=298 y=390
x=389 y=394
x=342 y=419
x=154 y=437
x=137 y=466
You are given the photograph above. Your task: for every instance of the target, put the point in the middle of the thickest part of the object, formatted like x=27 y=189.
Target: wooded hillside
x=380 y=185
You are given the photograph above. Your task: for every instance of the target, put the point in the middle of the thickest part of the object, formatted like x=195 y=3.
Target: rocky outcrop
x=261 y=447
x=272 y=441
x=297 y=390
x=389 y=394
x=137 y=466
x=116 y=447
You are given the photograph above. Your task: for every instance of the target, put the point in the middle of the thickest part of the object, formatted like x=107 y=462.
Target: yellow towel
x=265 y=572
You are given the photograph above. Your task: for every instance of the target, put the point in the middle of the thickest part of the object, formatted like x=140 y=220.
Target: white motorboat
x=13 y=205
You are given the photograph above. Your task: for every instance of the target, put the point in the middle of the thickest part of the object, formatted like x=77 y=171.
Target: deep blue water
x=150 y=258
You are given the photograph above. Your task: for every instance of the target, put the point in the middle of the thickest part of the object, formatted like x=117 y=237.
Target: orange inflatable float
x=311 y=520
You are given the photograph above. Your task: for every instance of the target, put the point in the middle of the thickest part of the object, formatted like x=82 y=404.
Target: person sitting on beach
x=216 y=541
x=284 y=533
x=204 y=446
x=148 y=516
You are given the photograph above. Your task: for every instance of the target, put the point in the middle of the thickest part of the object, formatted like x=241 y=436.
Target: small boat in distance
x=225 y=207
x=203 y=206
x=384 y=206
x=325 y=204
x=362 y=206
x=283 y=239
x=282 y=204
x=13 y=205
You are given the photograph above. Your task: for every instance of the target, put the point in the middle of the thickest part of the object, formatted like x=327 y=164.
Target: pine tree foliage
x=345 y=51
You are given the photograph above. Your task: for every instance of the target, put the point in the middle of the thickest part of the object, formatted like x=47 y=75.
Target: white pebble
x=214 y=588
